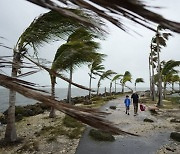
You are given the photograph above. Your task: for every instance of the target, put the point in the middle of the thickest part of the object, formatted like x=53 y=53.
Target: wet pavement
x=145 y=144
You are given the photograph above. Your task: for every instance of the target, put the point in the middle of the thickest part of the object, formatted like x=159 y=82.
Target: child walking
x=127 y=103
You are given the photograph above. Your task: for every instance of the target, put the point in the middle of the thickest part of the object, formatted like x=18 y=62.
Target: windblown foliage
x=113 y=11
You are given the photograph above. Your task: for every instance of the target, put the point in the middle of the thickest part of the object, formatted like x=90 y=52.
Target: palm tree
x=168 y=71
x=152 y=66
x=47 y=27
x=160 y=40
x=103 y=76
x=125 y=78
x=175 y=78
x=114 y=79
x=78 y=50
x=96 y=68
x=138 y=80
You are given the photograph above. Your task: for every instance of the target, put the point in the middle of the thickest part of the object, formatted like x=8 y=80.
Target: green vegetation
x=69 y=127
x=100 y=135
x=71 y=122
x=174 y=100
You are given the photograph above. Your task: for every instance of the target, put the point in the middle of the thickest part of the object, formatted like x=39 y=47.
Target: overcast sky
x=125 y=52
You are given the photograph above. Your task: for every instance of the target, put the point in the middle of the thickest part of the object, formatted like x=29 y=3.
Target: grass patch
x=70 y=128
x=71 y=122
x=101 y=135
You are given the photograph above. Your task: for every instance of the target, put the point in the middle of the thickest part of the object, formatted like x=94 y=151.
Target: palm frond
x=91 y=117
x=113 y=11
x=116 y=77
x=49 y=27
x=138 y=80
x=169 y=66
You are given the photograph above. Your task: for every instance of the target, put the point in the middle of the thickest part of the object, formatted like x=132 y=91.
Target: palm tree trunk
x=153 y=95
x=10 y=134
x=172 y=86
x=105 y=91
x=153 y=85
x=159 y=74
x=69 y=88
x=90 y=80
x=150 y=76
x=122 y=87
x=110 y=88
x=115 y=86
x=98 y=87
x=164 y=90
x=135 y=86
x=52 y=113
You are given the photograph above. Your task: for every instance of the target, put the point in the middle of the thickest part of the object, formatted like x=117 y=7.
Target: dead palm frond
x=91 y=117
x=113 y=11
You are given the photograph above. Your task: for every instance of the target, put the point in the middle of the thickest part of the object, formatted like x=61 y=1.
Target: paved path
x=148 y=143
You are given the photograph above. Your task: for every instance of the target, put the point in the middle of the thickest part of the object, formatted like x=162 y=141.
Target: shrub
x=101 y=135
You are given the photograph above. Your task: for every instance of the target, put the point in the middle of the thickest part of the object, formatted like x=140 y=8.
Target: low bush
x=101 y=135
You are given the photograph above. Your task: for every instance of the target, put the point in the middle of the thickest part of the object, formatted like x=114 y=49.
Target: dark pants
x=135 y=107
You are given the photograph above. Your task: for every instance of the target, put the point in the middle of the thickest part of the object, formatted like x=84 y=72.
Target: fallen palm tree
x=91 y=117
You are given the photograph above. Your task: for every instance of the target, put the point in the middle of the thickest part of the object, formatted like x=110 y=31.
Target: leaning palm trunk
x=10 y=134
x=153 y=86
x=159 y=74
x=52 y=113
x=69 y=89
x=98 y=87
x=110 y=88
x=164 y=92
x=123 y=88
x=150 y=76
x=135 y=87
x=153 y=95
x=91 y=117
x=115 y=86
x=90 y=80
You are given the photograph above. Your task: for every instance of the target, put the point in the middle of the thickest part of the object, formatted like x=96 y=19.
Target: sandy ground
x=28 y=127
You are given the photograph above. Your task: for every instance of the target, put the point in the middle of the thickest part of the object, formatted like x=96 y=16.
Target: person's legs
x=134 y=105
x=128 y=110
x=135 y=108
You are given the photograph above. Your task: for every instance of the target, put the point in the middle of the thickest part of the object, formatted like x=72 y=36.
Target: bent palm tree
x=174 y=79
x=125 y=78
x=167 y=72
x=78 y=50
x=96 y=68
x=160 y=40
x=114 y=79
x=47 y=27
x=103 y=76
x=138 y=80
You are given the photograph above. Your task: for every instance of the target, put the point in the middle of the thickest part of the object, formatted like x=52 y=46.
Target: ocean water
x=61 y=93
